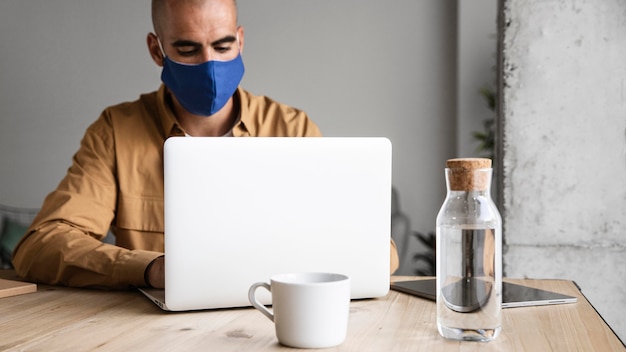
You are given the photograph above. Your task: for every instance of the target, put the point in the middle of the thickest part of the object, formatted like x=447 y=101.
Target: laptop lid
x=239 y=210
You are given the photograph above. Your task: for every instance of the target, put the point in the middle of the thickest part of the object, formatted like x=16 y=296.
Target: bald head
x=160 y=9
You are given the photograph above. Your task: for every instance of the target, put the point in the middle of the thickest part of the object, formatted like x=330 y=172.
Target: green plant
x=428 y=256
x=486 y=138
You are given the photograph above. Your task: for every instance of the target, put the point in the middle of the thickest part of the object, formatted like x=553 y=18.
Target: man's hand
x=155 y=273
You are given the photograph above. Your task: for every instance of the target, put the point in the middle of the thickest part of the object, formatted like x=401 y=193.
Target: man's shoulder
x=135 y=116
x=252 y=100
x=145 y=101
x=264 y=116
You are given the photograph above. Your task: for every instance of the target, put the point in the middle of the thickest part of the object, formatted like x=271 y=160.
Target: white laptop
x=239 y=210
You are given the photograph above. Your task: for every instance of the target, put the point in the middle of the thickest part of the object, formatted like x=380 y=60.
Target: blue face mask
x=205 y=88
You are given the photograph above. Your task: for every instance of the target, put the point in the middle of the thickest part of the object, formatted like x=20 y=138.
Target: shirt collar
x=168 y=120
x=243 y=126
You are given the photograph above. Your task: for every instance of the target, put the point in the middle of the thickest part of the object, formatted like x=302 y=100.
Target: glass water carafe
x=469 y=254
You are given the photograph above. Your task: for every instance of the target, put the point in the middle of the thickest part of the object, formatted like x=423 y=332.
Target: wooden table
x=65 y=319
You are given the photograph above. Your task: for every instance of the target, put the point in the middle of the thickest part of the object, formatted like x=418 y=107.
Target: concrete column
x=563 y=145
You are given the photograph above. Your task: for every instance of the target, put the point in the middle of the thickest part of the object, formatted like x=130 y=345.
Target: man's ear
x=155 y=49
x=240 y=35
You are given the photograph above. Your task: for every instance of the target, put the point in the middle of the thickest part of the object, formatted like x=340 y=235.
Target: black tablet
x=513 y=295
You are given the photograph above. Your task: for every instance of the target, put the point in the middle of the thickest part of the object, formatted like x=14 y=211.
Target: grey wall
x=476 y=69
x=564 y=90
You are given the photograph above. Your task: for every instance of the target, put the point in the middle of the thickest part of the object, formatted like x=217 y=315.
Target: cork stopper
x=465 y=174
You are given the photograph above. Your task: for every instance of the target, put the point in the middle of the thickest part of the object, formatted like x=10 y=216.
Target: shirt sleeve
x=63 y=244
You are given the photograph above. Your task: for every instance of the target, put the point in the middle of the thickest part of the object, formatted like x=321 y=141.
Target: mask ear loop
x=238 y=43
x=161 y=48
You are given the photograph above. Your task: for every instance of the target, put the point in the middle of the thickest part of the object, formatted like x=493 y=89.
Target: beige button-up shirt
x=116 y=182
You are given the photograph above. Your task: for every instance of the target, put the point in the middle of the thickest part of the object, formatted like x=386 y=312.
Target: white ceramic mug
x=310 y=310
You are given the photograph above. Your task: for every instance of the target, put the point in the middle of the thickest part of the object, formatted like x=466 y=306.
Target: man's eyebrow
x=226 y=39
x=181 y=43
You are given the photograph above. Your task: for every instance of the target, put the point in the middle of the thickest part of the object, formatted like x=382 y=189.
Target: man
x=116 y=178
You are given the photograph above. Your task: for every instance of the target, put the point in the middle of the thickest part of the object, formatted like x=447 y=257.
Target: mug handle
x=255 y=303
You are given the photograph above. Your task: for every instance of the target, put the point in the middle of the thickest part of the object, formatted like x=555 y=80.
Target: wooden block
x=13 y=288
